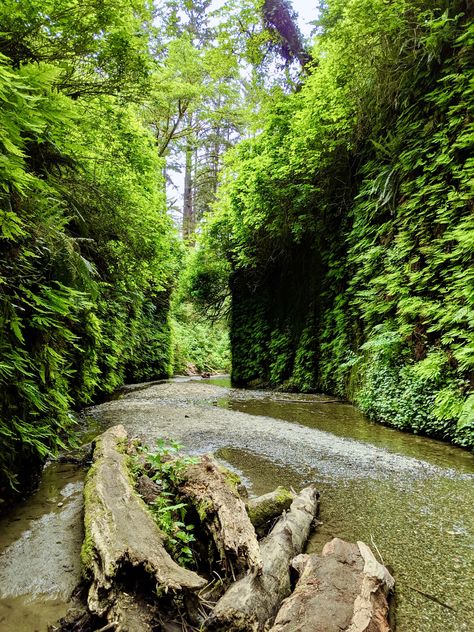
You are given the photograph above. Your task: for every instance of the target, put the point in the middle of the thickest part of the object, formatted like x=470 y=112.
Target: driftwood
x=223 y=515
x=133 y=585
x=343 y=589
x=252 y=601
x=263 y=509
x=121 y=536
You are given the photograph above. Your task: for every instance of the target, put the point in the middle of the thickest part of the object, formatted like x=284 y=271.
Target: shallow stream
x=409 y=498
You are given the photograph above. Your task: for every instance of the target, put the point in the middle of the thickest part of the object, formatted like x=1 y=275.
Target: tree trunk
x=223 y=515
x=343 y=589
x=216 y=163
x=120 y=534
x=188 y=206
x=277 y=14
x=263 y=509
x=253 y=601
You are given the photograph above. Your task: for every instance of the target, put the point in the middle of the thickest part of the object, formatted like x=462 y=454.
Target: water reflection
x=40 y=542
x=344 y=420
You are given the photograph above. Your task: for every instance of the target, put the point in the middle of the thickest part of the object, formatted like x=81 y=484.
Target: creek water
x=408 y=497
x=40 y=543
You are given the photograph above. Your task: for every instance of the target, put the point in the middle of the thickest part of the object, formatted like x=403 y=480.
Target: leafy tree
x=198 y=98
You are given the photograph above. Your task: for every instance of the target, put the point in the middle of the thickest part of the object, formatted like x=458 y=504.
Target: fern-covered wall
x=351 y=225
x=87 y=251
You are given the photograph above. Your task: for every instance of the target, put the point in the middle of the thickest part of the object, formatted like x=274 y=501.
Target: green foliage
x=199 y=324
x=171 y=514
x=303 y=374
x=281 y=353
x=348 y=220
x=87 y=252
x=199 y=344
x=204 y=280
x=343 y=229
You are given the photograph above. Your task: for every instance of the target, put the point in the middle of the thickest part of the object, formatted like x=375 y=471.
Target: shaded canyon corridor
x=208 y=187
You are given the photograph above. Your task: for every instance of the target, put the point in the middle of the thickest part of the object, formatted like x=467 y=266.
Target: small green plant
x=169 y=512
x=171 y=517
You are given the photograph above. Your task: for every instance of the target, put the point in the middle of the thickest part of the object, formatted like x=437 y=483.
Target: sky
x=307 y=11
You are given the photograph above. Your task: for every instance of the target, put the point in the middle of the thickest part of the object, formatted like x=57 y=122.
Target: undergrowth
x=169 y=511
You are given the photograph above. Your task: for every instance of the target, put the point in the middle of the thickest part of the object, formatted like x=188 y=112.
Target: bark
x=343 y=589
x=254 y=600
x=132 y=614
x=148 y=489
x=223 y=515
x=266 y=508
x=278 y=15
x=189 y=220
x=371 y=606
x=121 y=536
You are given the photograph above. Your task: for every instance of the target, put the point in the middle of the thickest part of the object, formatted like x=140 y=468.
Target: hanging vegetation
x=348 y=221
x=86 y=247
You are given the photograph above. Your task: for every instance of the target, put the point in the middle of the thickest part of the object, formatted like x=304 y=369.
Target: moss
x=270 y=507
x=231 y=478
x=283 y=495
x=87 y=549
x=122 y=445
x=93 y=507
x=203 y=509
x=87 y=554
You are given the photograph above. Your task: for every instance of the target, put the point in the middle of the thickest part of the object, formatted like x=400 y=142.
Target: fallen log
x=121 y=535
x=267 y=507
x=344 y=589
x=254 y=600
x=223 y=515
x=131 y=614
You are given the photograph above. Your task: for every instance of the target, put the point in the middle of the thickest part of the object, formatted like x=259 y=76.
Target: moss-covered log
x=223 y=515
x=263 y=509
x=121 y=534
x=253 y=601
